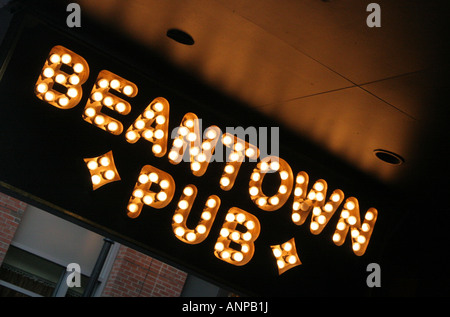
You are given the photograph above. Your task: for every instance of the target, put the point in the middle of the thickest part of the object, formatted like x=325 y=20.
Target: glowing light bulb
x=234 y=156
x=298 y=191
x=113 y=126
x=97 y=96
x=195 y=166
x=90 y=112
x=99 y=120
x=274 y=165
x=55 y=58
x=235 y=235
x=191 y=236
x=153 y=177
x=300 y=179
x=261 y=201
x=156 y=148
x=179 y=231
x=42 y=88
x=148 y=200
x=211 y=134
x=282 y=189
x=211 y=203
x=108 y=101
x=292 y=259
x=238 y=257
x=369 y=216
x=96 y=179
x=78 y=68
x=48 y=72
x=160 y=119
x=49 y=96
x=249 y=152
x=274 y=200
x=72 y=92
x=335 y=197
x=319 y=186
x=219 y=246
x=224 y=232
x=139 y=124
x=227 y=140
x=109 y=174
x=104 y=161
x=162 y=196
x=178 y=218
x=159 y=134
x=336 y=237
x=183 y=204
x=103 y=83
x=114 y=84
x=247 y=236
x=120 y=107
x=128 y=90
x=60 y=78
x=188 y=191
x=230 y=217
x=352 y=220
x=63 y=101
x=132 y=207
x=131 y=135
x=238 y=146
x=225 y=181
x=250 y=225
x=314 y=226
x=164 y=184
x=206 y=215
x=240 y=218
x=361 y=239
x=143 y=179
x=92 y=165
x=287 y=246
x=74 y=79
x=284 y=175
x=253 y=191
x=276 y=252
x=264 y=166
x=158 y=106
x=66 y=58
x=350 y=205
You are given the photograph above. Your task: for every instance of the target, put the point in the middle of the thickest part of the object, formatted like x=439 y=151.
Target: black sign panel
x=43 y=161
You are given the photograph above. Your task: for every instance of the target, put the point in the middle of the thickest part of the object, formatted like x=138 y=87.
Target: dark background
x=42 y=151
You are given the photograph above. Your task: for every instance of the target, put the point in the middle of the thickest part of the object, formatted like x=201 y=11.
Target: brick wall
x=137 y=275
x=11 y=213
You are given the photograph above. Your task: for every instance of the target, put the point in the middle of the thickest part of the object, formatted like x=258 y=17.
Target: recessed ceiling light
x=180 y=36
x=388 y=157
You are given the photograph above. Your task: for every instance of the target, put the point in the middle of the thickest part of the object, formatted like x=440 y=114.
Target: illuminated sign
x=108 y=147
x=157 y=114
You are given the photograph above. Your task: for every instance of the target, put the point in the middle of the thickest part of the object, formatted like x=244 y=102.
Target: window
x=24 y=274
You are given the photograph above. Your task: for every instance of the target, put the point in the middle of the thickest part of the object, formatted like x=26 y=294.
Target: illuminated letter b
x=59 y=83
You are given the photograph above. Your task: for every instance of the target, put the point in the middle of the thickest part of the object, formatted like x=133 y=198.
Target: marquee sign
x=106 y=145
